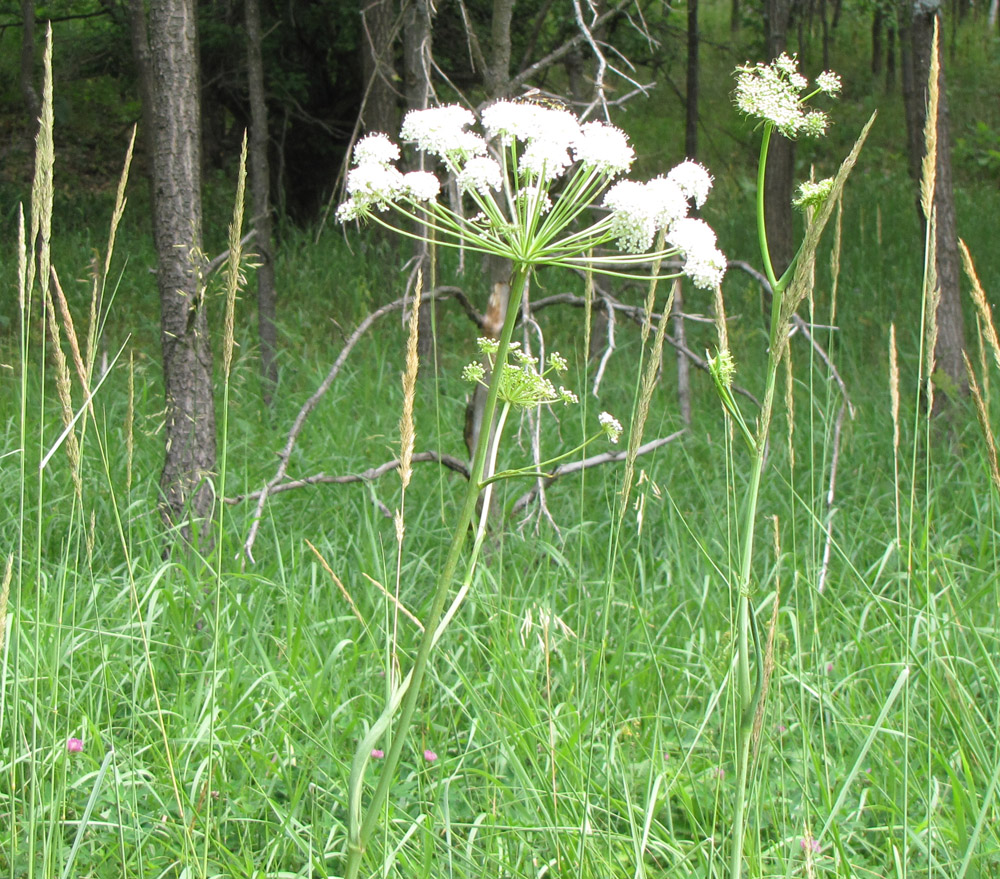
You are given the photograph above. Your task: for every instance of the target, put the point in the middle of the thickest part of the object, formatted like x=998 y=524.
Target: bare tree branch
x=638 y=314
x=562 y=51
x=369 y=475
x=284 y=456
x=592 y=461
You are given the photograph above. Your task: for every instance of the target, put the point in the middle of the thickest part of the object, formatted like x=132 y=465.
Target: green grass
x=220 y=705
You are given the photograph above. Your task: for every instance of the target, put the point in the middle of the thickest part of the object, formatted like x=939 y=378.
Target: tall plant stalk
x=404 y=701
x=755 y=95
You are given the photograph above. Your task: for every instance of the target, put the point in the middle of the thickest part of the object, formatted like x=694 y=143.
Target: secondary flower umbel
x=773 y=93
x=536 y=177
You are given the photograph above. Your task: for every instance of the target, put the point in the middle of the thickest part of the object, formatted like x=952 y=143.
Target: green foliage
x=549 y=762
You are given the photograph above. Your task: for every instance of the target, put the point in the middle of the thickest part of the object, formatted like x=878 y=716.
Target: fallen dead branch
x=371 y=474
x=592 y=461
x=280 y=483
x=284 y=456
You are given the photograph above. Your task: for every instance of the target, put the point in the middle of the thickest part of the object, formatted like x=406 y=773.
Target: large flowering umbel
x=542 y=188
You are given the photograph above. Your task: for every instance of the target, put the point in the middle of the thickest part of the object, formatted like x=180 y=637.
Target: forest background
x=194 y=711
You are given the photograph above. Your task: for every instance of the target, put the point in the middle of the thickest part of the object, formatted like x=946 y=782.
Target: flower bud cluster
x=521 y=383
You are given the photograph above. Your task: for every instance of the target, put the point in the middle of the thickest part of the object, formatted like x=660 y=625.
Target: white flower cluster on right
x=510 y=173
x=773 y=93
x=640 y=210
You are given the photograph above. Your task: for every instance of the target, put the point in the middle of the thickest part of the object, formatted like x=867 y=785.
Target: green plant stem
x=359 y=834
x=748 y=695
x=765 y=252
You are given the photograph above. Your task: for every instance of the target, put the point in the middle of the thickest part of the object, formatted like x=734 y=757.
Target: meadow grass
x=582 y=722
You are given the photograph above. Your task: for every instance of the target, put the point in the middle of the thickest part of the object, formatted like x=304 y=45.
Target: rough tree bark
x=691 y=109
x=28 y=91
x=920 y=18
x=166 y=50
x=379 y=112
x=781 y=157
x=418 y=18
x=260 y=194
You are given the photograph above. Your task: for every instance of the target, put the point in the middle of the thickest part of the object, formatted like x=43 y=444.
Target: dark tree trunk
x=260 y=194
x=781 y=157
x=890 y=58
x=379 y=113
x=838 y=8
x=825 y=26
x=498 y=68
x=734 y=16
x=691 y=120
x=878 y=27
x=417 y=34
x=28 y=91
x=166 y=49
x=916 y=70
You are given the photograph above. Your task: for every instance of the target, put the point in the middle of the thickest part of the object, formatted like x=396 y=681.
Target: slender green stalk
x=360 y=831
x=748 y=693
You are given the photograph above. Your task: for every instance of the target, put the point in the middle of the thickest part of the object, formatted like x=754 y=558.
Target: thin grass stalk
x=649 y=377
x=984 y=422
x=4 y=600
x=130 y=423
x=931 y=301
x=359 y=830
x=406 y=442
x=894 y=409
x=989 y=331
x=234 y=282
x=38 y=254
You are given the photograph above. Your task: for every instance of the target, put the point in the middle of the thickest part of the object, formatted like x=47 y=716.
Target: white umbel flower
x=667 y=201
x=611 y=426
x=691 y=236
x=633 y=221
x=375 y=148
x=544 y=160
x=603 y=147
x=704 y=264
x=421 y=185
x=372 y=182
x=480 y=173
x=693 y=180
x=510 y=121
x=772 y=92
x=441 y=131
x=706 y=268
x=828 y=82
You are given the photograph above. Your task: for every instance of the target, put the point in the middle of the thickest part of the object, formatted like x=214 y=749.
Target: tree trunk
x=166 y=49
x=781 y=157
x=916 y=70
x=498 y=70
x=878 y=27
x=260 y=194
x=378 y=112
x=691 y=120
x=417 y=34
x=890 y=59
x=28 y=91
